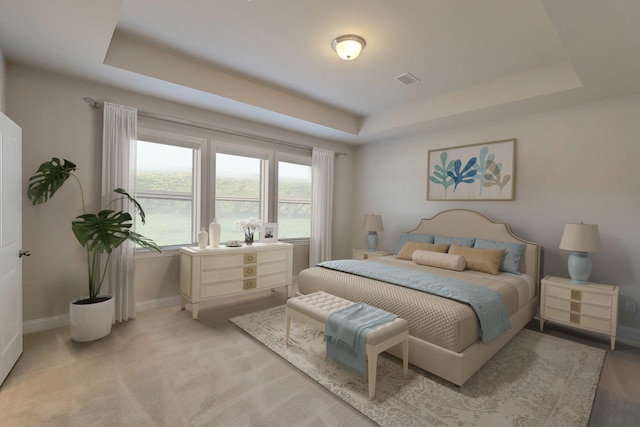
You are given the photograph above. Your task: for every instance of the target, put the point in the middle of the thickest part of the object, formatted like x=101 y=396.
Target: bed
x=445 y=335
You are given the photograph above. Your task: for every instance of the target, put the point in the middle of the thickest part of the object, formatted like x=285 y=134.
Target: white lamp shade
x=348 y=47
x=372 y=223
x=581 y=238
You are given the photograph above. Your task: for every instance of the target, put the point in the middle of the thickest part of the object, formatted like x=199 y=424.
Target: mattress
x=441 y=321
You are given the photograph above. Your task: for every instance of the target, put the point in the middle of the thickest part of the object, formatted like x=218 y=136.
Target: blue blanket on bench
x=346 y=332
x=487 y=304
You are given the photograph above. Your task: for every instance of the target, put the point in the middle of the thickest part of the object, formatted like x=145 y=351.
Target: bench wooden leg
x=288 y=328
x=405 y=356
x=372 y=361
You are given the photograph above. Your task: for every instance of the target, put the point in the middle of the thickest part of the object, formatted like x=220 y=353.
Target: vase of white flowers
x=249 y=227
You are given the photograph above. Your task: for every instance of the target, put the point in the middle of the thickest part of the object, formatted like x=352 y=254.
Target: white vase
x=203 y=237
x=214 y=234
x=90 y=322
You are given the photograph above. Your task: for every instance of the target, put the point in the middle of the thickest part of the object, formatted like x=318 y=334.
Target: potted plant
x=91 y=316
x=249 y=226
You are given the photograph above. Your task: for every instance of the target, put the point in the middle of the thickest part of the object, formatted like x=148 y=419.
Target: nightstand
x=592 y=307
x=365 y=254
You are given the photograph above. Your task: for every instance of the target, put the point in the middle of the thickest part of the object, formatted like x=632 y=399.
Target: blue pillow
x=460 y=241
x=422 y=238
x=511 y=259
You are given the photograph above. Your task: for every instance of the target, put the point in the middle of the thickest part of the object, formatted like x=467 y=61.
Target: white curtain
x=321 y=205
x=118 y=171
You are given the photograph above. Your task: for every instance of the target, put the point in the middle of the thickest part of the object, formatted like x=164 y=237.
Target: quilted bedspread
x=438 y=320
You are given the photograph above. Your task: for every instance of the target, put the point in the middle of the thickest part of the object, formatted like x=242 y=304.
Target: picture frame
x=269 y=232
x=480 y=172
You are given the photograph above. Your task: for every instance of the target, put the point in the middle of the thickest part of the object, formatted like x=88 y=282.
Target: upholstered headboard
x=468 y=223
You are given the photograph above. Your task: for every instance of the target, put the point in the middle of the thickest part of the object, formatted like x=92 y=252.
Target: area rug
x=535 y=380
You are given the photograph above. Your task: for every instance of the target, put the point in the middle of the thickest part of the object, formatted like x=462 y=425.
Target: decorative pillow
x=407 y=250
x=460 y=241
x=404 y=237
x=441 y=260
x=511 y=259
x=484 y=260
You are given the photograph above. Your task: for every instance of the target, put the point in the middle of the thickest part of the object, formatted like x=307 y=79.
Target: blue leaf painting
x=481 y=166
x=465 y=174
x=440 y=173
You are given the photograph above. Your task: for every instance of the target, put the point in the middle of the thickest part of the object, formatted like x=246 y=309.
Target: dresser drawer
x=240 y=284
x=222 y=275
x=271 y=256
x=226 y=260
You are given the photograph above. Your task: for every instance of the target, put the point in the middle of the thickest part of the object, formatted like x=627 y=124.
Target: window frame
x=288 y=158
x=266 y=178
x=199 y=146
x=209 y=142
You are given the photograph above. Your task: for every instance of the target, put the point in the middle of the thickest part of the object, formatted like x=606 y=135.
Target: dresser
x=592 y=307
x=207 y=274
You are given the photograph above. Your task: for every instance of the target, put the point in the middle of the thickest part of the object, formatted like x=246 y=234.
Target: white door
x=10 y=245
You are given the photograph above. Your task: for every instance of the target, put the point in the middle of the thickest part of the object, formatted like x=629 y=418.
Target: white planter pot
x=91 y=321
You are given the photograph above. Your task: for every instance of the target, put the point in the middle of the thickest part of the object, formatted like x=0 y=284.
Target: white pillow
x=440 y=260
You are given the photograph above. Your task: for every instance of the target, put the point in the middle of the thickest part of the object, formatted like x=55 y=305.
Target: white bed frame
x=459 y=367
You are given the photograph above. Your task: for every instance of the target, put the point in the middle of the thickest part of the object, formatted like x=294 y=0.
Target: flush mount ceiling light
x=349 y=46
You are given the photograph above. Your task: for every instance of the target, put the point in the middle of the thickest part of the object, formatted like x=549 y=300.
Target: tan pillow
x=407 y=250
x=440 y=260
x=484 y=260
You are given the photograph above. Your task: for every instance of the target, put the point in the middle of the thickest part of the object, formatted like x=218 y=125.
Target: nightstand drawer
x=578 y=307
x=579 y=295
x=588 y=322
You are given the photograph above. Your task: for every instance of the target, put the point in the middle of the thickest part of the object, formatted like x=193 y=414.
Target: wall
x=573 y=165
x=2 y=81
x=56 y=122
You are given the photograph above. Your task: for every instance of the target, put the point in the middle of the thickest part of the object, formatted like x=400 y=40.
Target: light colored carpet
x=535 y=380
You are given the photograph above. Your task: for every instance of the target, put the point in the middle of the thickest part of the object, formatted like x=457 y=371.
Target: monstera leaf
x=48 y=179
x=102 y=232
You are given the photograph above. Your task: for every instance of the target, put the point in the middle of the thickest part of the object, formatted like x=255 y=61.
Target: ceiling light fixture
x=349 y=46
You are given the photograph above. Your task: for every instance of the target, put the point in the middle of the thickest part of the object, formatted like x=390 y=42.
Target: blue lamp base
x=579 y=265
x=372 y=241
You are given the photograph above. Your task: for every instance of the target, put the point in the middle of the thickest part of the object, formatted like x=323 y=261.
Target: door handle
x=23 y=253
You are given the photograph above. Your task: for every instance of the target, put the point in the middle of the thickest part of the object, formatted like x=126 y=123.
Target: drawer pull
x=249 y=284
x=576 y=295
x=574 y=318
x=249 y=271
x=250 y=258
x=575 y=306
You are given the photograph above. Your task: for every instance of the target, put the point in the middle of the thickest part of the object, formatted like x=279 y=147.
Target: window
x=187 y=176
x=166 y=187
x=241 y=186
x=294 y=200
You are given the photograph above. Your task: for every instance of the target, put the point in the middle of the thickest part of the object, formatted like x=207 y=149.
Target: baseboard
x=629 y=336
x=157 y=303
x=46 y=323
x=37 y=325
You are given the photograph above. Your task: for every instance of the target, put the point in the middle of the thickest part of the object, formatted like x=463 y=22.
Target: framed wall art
x=473 y=172
x=269 y=232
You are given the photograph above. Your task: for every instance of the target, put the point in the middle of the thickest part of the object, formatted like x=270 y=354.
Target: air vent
x=407 y=79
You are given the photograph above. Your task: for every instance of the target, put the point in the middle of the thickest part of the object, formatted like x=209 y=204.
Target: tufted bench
x=315 y=308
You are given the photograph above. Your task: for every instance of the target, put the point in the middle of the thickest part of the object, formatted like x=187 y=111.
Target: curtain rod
x=95 y=104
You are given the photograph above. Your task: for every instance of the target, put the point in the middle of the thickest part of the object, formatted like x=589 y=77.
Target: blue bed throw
x=487 y=304
x=346 y=333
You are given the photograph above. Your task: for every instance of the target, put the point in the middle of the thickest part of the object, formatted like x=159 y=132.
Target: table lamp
x=580 y=239
x=372 y=224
